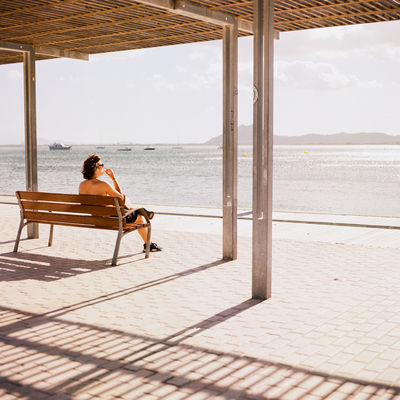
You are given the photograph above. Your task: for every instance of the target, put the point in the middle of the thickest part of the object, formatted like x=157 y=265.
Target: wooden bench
x=83 y=211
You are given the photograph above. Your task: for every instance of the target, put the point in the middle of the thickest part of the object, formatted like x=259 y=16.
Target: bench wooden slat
x=69 y=198
x=109 y=228
x=97 y=210
x=130 y=227
x=72 y=219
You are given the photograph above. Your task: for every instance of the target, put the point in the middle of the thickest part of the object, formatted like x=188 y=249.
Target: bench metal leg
x=118 y=243
x=21 y=226
x=51 y=235
x=116 y=250
x=148 y=241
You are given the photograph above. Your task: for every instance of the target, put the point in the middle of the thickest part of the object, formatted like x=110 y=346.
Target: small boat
x=149 y=148
x=125 y=149
x=100 y=147
x=58 y=146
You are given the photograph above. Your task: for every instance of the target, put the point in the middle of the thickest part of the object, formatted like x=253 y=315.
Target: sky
x=342 y=79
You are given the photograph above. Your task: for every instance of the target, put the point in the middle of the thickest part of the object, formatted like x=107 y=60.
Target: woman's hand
x=110 y=173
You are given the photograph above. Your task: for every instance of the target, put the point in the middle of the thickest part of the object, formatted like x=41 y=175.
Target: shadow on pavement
x=49 y=356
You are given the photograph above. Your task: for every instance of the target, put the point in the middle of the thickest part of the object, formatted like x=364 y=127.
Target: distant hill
x=245 y=137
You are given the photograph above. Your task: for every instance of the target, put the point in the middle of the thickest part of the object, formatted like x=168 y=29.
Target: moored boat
x=125 y=149
x=149 y=148
x=59 y=146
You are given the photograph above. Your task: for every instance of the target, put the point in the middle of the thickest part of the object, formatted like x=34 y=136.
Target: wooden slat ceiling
x=99 y=26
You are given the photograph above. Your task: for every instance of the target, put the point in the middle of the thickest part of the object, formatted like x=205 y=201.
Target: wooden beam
x=70 y=17
x=10 y=59
x=42 y=50
x=54 y=3
x=11 y=46
x=56 y=52
x=231 y=5
x=322 y=7
x=191 y=10
x=164 y=4
x=125 y=33
x=188 y=9
x=337 y=16
x=90 y=26
x=157 y=38
x=245 y=26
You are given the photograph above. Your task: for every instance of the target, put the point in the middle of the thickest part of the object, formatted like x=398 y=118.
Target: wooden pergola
x=33 y=30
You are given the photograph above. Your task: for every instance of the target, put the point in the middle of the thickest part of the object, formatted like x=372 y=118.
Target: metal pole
x=30 y=130
x=230 y=141
x=262 y=148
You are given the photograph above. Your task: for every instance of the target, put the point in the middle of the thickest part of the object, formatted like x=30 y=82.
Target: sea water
x=362 y=180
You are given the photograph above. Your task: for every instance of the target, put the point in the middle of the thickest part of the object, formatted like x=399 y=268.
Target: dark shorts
x=140 y=211
x=131 y=217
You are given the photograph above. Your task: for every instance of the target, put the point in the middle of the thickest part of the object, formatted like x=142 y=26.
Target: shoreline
x=206 y=144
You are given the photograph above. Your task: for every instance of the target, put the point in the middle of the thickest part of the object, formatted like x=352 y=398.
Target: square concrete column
x=230 y=141
x=30 y=130
x=262 y=148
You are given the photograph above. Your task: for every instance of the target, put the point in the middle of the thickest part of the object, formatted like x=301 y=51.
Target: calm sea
x=333 y=179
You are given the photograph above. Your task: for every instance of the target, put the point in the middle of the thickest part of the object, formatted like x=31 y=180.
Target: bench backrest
x=71 y=209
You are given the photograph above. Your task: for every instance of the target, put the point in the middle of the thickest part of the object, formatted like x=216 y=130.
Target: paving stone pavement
x=182 y=325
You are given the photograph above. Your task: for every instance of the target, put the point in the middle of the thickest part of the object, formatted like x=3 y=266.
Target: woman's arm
x=110 y=173
x=112 y=192
x=117 y=191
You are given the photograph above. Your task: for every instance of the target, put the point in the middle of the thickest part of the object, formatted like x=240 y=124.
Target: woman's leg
x=142 y=231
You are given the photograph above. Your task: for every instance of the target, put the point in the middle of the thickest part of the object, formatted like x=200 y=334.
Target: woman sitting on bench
x=92 y=169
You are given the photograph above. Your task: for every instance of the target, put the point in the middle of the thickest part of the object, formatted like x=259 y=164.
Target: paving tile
x=378 y=365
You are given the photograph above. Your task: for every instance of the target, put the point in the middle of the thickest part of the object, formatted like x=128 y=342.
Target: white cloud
x=378 y=40
x=206 y=78
x=384 y=52
x=317 y=76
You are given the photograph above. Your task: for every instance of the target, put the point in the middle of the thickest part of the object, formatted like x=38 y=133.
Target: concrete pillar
x=230 y=141
x=262 y=148
x=30 y=130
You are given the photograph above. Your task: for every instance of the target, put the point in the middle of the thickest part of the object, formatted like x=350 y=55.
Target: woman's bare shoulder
x=94 y=187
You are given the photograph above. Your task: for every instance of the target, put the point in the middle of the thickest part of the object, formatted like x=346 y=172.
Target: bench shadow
x=13 y=241
x=21 y=266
